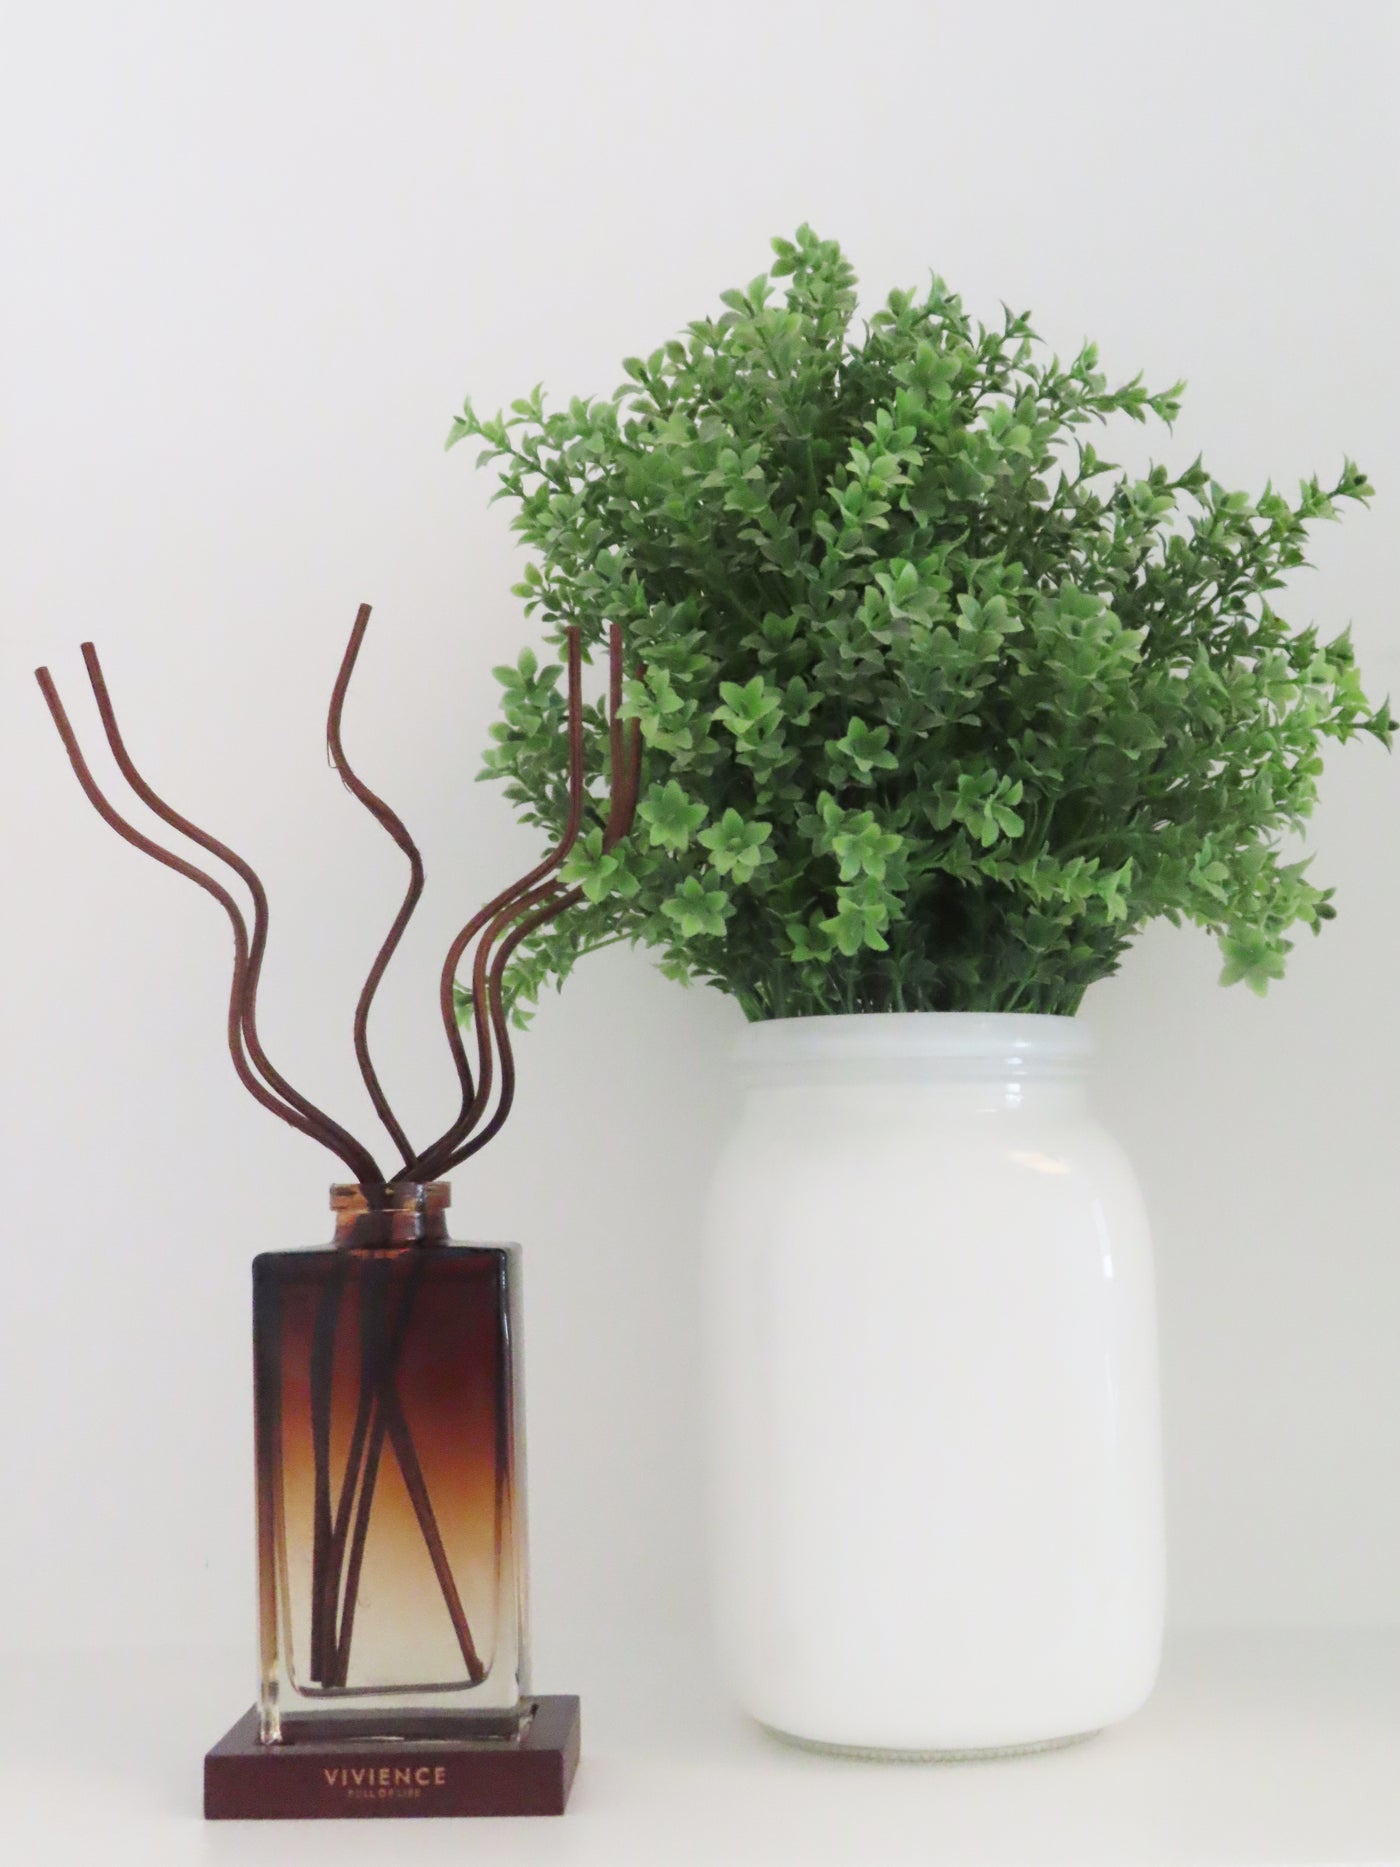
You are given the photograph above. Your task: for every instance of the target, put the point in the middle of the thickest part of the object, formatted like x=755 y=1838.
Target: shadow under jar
x=391 y=1535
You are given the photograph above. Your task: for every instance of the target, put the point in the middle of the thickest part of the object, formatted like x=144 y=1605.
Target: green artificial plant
x=939 y=706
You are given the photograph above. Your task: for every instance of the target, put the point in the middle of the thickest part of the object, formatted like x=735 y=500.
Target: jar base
x=878 y=1753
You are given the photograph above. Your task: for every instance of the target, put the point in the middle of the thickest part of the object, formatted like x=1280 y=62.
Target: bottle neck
x=386 y=1218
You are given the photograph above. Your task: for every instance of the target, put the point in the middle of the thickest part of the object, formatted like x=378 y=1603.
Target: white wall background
x=253 y=256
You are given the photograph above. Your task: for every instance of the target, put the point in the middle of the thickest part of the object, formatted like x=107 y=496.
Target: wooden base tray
x=335 y=1778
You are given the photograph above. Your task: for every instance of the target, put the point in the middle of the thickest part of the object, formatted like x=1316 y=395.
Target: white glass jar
x=934 y=1442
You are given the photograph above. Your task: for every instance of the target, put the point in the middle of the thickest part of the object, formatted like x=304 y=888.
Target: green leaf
x=599 y=873
x=809 y=942
x=749 y=710
x=861 y=847
x=861 y=915
x=737 y=848
x=1252 y=956
x=671 y=819
x=864 y=747
x=696 y=910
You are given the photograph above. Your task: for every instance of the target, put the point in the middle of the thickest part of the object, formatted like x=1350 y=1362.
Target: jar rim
x=1015 y=1038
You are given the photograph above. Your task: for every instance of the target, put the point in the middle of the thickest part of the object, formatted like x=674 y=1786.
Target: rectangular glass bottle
x=391 y=1533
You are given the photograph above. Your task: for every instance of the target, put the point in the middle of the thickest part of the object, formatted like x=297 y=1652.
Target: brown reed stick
x=248 y=1012
x=497 y=917
x=340 y=1519
x=381 y=812
x=422 y=1167
x=322 y=1371
x=317 y=1126
x=380 y=1349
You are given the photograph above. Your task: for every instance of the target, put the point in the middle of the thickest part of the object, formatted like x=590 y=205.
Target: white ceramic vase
x=934 y=1444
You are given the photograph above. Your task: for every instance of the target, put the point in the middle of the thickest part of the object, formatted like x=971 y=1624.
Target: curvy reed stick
x=341 y=1522
x=322 y=1374
x=391 y=822
x=414 y=1483
x=619 y=823
x=380 y=1351
x=491 y=996
x=504 y=904
x=471 y=1115
x=336 y=1137
x=625 y=766
x=518 y=899
x=525 y=897
x=379 y=1361
x=342 y=1565
x=357 y=1159
x=614 y=704
x=625 y=794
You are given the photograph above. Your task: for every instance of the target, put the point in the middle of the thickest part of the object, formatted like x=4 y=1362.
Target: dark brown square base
x=339 y=1777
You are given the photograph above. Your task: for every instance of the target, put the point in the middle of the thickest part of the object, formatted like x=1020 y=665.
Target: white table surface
x=1266 y=1748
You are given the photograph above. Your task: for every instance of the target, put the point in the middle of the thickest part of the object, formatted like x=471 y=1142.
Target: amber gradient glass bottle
x=391 y=1535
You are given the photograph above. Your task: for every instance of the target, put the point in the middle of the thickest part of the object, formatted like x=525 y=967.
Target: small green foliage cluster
x=939 y=706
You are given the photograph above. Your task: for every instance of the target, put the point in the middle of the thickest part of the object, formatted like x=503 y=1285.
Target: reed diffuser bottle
x=391 y=1530
x=390 y=1481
